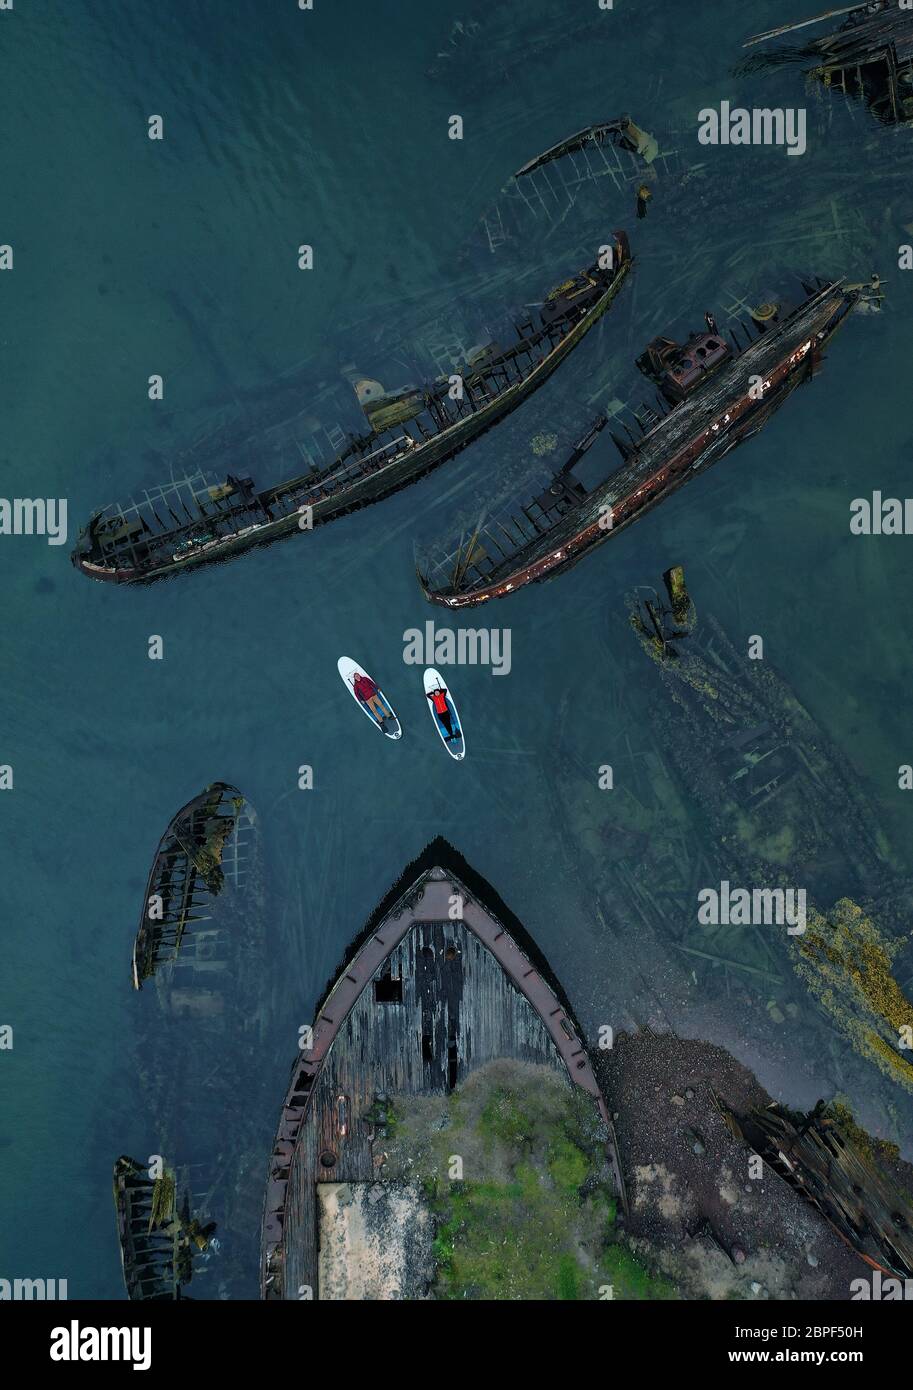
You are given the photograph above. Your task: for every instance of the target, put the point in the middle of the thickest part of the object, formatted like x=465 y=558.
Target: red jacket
x=440 y=700
x=364 y=687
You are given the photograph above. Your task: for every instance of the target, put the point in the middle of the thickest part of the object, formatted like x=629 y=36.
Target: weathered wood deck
x=426 y=1000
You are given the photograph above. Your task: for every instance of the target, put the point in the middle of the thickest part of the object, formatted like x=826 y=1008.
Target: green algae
x=847 y=963
x=629 y=1279
x=532 y=1215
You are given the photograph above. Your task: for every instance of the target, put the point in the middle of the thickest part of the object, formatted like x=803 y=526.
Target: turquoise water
x=179 y=257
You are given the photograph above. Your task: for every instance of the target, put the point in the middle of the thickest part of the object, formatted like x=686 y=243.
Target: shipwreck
x=159 y=1237
x=752 y=756
x=210 y=845
x=869 y=56
x=835 y=1166
x=621 y=132
x=200 y=518
x=199 y=1031
x=714 y=391
x=441 y=1041
x=783 y=803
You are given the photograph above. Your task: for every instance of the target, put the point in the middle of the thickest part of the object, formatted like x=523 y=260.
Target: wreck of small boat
x=441 y=1039
x=714 y=391
x=201 y=518
x=833 y=1165
x=159 y=1238
x=868 y=57
x=621 y=132
x=207 y=848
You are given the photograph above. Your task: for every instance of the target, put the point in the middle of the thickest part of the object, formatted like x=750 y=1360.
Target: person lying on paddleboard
x=369 y=695
x=439 y=699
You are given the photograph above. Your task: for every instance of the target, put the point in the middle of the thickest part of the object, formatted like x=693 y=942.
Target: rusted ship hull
x=700 y=429
x=215 y=521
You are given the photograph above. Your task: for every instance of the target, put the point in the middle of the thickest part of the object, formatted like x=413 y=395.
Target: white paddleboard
x=456 y=742
x=348 y=670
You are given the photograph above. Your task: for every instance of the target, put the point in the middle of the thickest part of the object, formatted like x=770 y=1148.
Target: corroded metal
x=707 y=408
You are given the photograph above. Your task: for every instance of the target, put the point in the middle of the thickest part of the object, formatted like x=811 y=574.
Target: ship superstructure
x=714 y=391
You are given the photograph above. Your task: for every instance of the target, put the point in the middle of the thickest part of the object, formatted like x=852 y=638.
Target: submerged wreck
x=754 y=760
x=159 y=1238
x=201 y=518
x=832 y=1164
x=783 y=804
x=621 y=132
x=197 y=1055
x=440 y=1047
x=714 y=391
x=869 y=56
x=208 y=845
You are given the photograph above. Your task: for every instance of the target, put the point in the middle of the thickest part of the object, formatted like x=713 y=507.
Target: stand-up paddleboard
x=348 y=670
x=454 y=742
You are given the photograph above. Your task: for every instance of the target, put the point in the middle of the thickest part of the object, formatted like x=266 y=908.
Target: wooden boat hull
x=430 y=996
x=314 y=505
